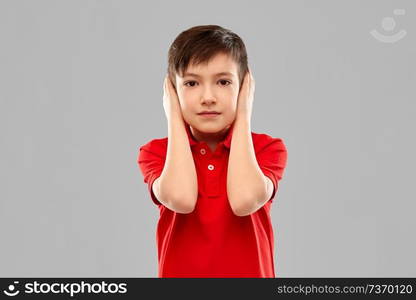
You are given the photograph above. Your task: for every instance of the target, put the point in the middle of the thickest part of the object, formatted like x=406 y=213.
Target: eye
x=227 y=82
x=192 y=83
x=186 y=83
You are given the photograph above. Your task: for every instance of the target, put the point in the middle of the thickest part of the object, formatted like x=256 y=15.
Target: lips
x=209 y=113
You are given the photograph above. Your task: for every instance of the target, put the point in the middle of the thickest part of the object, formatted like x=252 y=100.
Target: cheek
x=187 y=103
x=183 y=99
x=231 y=108
x=230 y=95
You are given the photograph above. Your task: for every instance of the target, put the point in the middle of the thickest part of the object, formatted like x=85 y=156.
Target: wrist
x=243 y=117
x=175 y=119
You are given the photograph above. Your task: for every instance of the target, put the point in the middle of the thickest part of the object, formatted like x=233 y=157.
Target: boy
x=212 y=178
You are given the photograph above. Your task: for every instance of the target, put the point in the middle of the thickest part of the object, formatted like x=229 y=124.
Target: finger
x=247 y=81
x=169 y=87
x=244 y=87
x=252 y=83
x=172 y=90
x=243 y=84
x=164 y=84
x=168 y=83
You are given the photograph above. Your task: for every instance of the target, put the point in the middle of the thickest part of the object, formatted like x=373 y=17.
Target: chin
x=209 y=128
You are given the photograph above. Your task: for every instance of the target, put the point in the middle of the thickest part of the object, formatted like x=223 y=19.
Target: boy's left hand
x=246 y=97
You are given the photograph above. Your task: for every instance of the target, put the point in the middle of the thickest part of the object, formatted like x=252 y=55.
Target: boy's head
x=205 y=51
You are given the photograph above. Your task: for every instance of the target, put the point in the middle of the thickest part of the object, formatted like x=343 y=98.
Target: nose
x=208 y=96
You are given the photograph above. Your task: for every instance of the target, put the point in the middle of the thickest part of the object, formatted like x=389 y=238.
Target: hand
x=171 y=101
x=246 y=97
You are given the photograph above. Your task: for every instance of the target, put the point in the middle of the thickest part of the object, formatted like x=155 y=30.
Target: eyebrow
x=218 y=74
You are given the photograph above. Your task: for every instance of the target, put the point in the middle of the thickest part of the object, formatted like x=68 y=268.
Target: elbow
x=246 y=205
x=242 y=212
x=242 y=209
x=183 y=205
x=187 y=209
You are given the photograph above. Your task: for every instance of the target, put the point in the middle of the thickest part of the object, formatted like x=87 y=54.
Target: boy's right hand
x=171 y=101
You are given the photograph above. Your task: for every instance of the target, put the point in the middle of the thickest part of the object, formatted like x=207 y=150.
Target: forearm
x=179 y=179
x=245 y=180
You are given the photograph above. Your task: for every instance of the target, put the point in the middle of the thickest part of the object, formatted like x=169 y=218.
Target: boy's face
x=207 y=90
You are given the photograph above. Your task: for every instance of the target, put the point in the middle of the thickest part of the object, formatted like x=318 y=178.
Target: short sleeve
x=271 y=156
x=151 y=160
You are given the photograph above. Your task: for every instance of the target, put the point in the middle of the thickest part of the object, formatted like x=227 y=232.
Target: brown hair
x=199 y=44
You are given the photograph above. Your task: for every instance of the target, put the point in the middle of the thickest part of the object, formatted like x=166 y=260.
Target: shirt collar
x=226 y=141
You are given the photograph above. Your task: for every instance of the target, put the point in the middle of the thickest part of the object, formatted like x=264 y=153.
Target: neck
x=209 y=138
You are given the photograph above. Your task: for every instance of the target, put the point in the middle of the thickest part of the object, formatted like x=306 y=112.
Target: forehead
x=219 y=63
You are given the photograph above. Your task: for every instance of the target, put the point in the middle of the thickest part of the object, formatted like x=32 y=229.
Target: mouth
x=209 y=115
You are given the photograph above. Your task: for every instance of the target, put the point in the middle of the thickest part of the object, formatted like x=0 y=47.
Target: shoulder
x=263 y=140
x=158 y=146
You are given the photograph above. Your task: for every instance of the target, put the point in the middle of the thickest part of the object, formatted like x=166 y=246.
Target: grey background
x=81 y=91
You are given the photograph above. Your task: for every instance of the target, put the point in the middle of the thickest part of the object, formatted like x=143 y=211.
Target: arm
x=248 y=188
x=177 y=186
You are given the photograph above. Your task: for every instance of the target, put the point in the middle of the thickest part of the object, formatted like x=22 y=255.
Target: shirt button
x=210 y=167
x=202 y=151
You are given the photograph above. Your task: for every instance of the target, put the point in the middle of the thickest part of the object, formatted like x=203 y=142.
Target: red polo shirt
x=212 y=241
